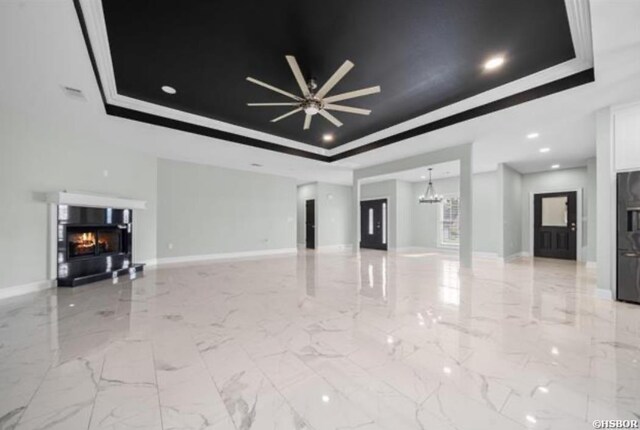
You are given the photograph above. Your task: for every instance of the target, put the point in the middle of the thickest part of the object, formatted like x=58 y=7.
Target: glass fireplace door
x=109 y=241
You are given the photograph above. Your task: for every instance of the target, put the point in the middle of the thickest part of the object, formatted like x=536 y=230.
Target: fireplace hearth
x=94 y=244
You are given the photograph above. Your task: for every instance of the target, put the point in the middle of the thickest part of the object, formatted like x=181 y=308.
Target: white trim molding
x=516 y=256
x=94 y=200
x=333 y=248
x=225 y=256
x=33 y=287
x=604 y=294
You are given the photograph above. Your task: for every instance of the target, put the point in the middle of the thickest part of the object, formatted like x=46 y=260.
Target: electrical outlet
x=170 y=246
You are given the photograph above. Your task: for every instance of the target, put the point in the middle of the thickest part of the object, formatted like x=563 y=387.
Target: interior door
x=555 y=225
x=310 y=224
x=373 y=224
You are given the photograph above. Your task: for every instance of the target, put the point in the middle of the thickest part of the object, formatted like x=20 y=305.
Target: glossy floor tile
x=323 y=341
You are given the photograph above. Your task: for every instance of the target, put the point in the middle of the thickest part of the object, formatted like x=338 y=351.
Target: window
x=449 y=233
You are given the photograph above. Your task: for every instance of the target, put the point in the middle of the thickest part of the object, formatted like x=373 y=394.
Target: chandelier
x=430 y=195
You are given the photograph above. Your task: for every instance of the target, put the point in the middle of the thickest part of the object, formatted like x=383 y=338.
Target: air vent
x=73 y=92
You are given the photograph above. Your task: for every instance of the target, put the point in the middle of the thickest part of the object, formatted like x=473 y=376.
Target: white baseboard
x=483 y=254
x=604 y=294
x=591 y=265
x=33 y=287
x=515 y=256
x=330 y=248
x=225 y=256
x=449 y=250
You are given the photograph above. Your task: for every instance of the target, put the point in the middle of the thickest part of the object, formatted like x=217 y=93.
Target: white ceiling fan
x=316 y=102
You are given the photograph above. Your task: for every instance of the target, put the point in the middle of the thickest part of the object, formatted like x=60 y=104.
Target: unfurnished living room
x=355 y=214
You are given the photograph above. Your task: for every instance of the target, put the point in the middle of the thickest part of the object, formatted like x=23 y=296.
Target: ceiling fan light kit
x=315 y=102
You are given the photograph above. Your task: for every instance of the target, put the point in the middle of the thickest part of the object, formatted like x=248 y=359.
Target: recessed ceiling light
x=555 y=166
x=494 y=63
x=327 y=137
x=531 y=419
x=169 y=90
x=533 y=135
x=543 y=150
x=423 y=177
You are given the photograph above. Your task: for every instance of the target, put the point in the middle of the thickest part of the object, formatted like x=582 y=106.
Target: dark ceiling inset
x=425 y=54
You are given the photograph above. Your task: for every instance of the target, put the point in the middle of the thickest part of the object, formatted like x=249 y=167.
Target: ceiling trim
x=563 y=84
x=564 y=76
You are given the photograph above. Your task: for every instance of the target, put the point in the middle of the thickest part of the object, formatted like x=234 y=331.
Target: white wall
x=205 y=210
x=485 y=208
x=40 y=157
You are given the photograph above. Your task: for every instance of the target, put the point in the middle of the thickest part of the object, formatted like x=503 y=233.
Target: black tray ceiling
x=424 y=54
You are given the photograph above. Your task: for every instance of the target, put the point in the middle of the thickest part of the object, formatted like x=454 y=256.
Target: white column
x=606 y=200
x=466 y=209
x=356 y=214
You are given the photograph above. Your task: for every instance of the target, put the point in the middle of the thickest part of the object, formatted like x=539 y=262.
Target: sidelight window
x=449 y=224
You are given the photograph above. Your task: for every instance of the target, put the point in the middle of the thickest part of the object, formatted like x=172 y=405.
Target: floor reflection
x=323 y=340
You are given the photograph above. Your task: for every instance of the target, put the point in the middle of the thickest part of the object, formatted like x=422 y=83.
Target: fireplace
x=89 y=242
x=94 y=244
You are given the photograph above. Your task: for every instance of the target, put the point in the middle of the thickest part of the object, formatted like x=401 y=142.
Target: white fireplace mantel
x=94 y=200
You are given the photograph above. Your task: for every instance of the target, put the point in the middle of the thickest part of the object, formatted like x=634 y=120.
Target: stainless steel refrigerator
x=628 y=237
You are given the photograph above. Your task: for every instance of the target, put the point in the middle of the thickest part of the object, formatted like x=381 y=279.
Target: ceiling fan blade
x=307 y=122
x=330 y=118
x=352 y=94
x=348 y=109
x=333 y=80
x=298 y=74
x=273 y=104
x=286 y=114
x=272 y=88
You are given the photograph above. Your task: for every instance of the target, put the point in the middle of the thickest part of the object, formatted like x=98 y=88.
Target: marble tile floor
x=323 y=341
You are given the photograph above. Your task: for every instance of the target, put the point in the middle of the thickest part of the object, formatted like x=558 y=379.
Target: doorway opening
x=555 y=218
x=310 y=223
x=373 y=224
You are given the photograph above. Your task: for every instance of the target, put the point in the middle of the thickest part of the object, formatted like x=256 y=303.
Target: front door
x=555 y=225
x=310 y=223
x=373 y=224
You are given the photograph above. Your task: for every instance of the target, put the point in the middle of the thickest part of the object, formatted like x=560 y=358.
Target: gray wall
x=333 y=217
x=485 y=208
x=207 y=210
x=551 y=181
x=35 y=160
x=510 y=211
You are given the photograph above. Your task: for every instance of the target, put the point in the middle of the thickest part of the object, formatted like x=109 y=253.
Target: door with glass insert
x=373 y=224
x=555 y=225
